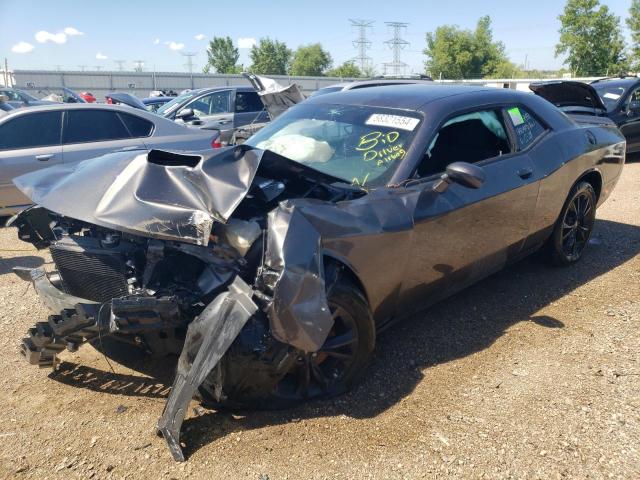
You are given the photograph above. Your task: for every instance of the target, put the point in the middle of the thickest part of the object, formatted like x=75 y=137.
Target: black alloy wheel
x=573 y=229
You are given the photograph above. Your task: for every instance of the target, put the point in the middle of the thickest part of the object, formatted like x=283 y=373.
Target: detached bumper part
x=209 y=336
x=78 y=321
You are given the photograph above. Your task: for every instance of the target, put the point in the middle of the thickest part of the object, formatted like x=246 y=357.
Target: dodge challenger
x=269 y=267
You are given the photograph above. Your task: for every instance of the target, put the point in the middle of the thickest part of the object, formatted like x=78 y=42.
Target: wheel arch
x=594 y=178
x=329 y=258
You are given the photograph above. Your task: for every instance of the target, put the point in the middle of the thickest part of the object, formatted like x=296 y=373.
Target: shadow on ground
x=460 y=326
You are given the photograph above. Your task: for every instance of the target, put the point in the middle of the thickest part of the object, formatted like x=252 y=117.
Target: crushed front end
x=174 y=277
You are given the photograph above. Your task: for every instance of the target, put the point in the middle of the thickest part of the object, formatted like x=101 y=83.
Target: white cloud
x=72 y=31
x=156 y=41
x=22 y=47
x=200 y=36
x=61 y=37
x=100 y=56
x=43 y=37
x=246 y=42
x=176 y=46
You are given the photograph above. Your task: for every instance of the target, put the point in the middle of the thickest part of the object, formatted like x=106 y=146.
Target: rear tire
x=573 y=228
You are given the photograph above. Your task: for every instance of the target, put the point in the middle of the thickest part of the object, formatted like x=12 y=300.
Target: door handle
x=525 y=172
x=44 y=158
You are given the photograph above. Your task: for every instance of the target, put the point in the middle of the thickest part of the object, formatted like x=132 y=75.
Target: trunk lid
x=275 y=97
x=570 y=96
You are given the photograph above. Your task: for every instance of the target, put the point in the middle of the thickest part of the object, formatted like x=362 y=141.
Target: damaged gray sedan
x=270 y=266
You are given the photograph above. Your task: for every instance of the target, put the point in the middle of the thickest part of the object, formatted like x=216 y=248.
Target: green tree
x=454 y=53
x=270 y=57
x=346 y=70
x=633 y=22
x=222 y=56
x=591 y=39
x=310 y=60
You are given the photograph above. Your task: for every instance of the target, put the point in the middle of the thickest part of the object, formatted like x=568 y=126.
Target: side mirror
x=185 y=113
x=463 y=173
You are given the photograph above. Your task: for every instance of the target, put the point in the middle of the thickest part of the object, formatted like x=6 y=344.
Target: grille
x=88 y=270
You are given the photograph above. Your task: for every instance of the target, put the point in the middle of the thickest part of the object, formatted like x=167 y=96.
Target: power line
x=362 y=43
x=139 y=65
x=82 y=67
x=120 y=64
x=189 y=65
x=397 y=43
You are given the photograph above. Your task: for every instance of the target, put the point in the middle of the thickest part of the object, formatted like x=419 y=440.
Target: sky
x=66 y=34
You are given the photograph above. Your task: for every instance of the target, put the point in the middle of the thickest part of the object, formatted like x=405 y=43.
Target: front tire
x=285 y=377
x=573 y=228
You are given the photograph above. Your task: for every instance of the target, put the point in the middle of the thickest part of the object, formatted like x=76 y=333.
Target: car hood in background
x=275 y=97
x=158 y=194
x=127 y=99
x=569 y=94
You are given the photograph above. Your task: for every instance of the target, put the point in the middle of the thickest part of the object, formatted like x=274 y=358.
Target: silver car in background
x=39 y=137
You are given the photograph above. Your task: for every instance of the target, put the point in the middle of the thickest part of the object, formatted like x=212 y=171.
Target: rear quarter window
x=138 y=127
x=525 y=125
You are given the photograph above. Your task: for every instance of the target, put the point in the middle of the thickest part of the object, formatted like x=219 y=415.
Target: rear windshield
x=609 y=93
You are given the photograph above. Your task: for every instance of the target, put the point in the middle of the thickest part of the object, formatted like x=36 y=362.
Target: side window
x=634 y=100
x=211 y=104
x=13 y=96
x=248 y=102
x=525 y=126
x=471 y=138
x=93 y=126
x=138 y=127
x=31 y=130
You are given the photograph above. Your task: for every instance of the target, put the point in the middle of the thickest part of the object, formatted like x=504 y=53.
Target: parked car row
x=42 y=136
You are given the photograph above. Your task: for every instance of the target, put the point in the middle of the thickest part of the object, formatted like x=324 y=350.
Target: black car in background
x=615 y=98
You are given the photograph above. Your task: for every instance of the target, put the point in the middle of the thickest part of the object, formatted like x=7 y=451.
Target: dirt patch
x=532 y=373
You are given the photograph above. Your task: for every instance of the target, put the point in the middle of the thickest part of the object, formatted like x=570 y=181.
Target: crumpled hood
x=568 y=94
x=158 y=194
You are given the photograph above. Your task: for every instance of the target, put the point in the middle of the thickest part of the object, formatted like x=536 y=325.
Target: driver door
x=629 y=121
x=213 y=109
x=464 y=234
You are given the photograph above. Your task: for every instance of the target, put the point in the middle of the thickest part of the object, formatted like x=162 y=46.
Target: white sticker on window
x=393 y=121
x=611 y=96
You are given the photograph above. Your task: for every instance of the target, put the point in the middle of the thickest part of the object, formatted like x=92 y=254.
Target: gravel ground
x=532 y=373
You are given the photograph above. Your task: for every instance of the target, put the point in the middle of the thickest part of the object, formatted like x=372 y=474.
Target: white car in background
x=39 y=137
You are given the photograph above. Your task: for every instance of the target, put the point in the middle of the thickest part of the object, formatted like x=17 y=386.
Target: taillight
x=215 y=143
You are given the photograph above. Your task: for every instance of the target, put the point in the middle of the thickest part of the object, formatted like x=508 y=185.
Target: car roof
x=84 y=106
x=412 y=96
x=615 y=82
x=241 y=88
x=156 y=99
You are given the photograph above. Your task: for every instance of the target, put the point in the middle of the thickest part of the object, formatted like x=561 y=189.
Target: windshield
x=360 y=145
x=169 y=106
x=610 y=94
x=325 y=90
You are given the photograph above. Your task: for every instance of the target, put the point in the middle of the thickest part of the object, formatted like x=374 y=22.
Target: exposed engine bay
x=162 y=295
